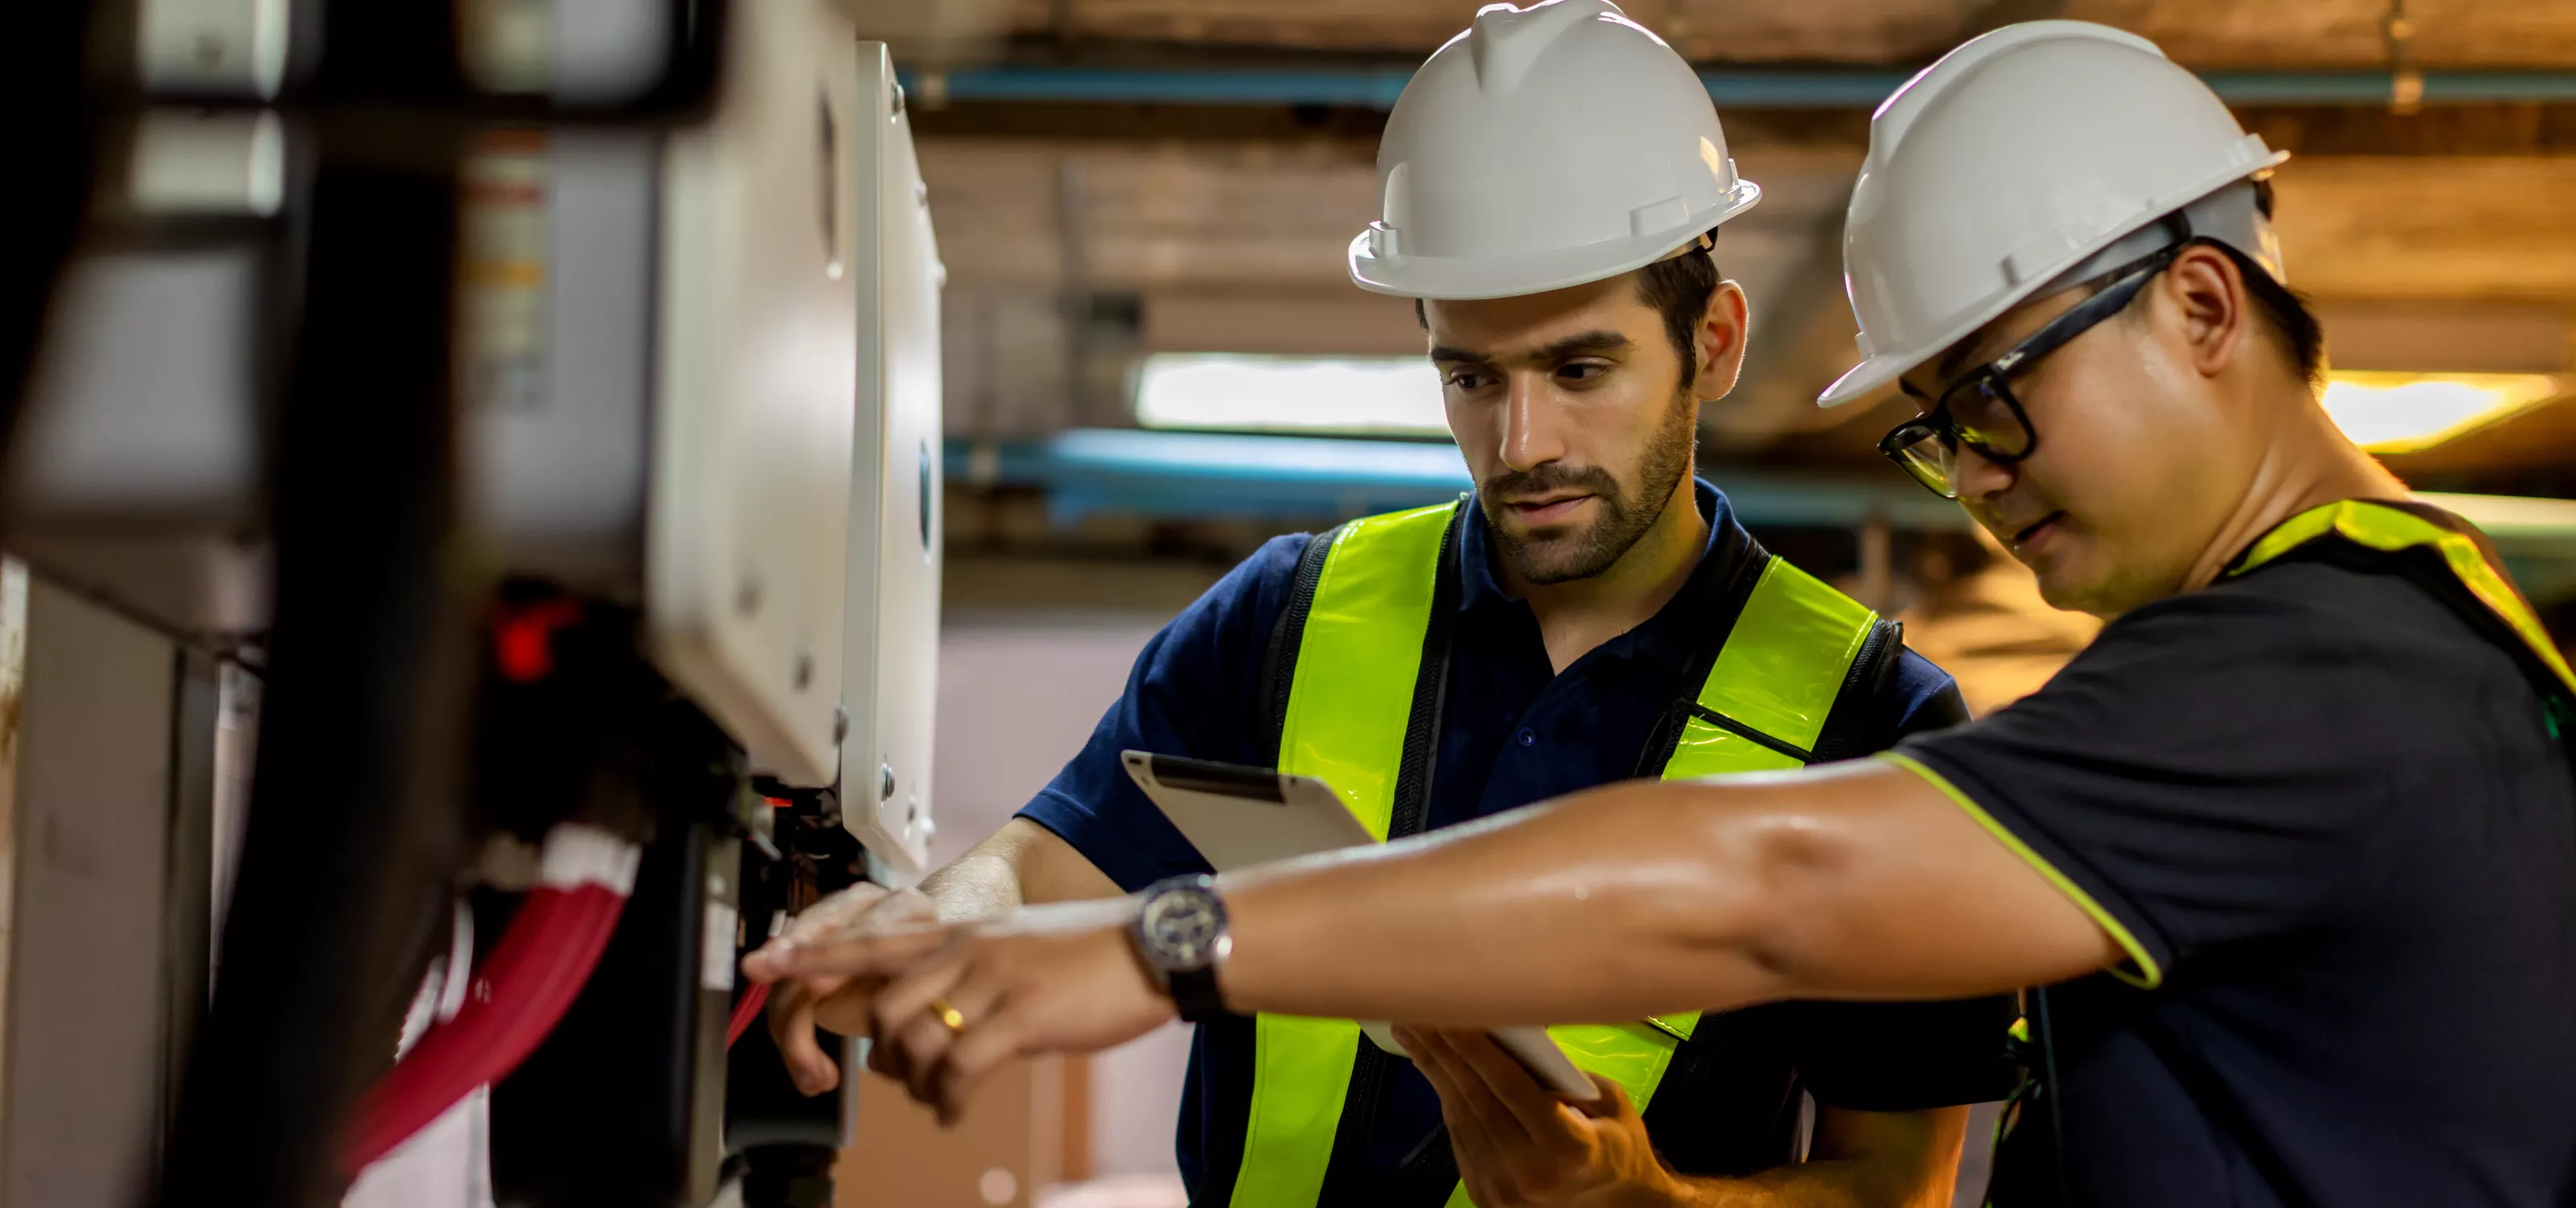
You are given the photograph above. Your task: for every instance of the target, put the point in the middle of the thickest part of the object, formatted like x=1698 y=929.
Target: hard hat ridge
x=1545 y=147
x=1505 y=41
x=2020 y=159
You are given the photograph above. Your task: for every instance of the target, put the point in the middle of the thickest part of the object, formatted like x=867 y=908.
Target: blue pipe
x=1372 y=87
x=1302 y=480
x=1297 y=479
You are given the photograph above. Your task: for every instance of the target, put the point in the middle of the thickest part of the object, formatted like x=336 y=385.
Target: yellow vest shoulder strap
x=1360 y=620
x=2413 y=543
x=1355 y=666
x=1792 y=653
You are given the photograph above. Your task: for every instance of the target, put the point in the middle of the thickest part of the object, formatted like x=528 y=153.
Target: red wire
x=746 y=1011
x=521 y=991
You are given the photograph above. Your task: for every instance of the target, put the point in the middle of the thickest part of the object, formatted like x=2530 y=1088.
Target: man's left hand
x=1044 y=979
x=1519 y=1146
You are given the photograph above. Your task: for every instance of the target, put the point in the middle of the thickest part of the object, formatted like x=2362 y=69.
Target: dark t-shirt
x=2328 y=818
x=1515 y=731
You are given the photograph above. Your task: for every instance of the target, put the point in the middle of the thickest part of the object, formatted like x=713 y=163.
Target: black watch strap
x=1194 y=992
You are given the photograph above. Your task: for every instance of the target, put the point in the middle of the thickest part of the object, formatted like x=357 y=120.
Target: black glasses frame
x=1994 y=376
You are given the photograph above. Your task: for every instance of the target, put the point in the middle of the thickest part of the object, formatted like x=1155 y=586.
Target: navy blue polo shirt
x=1514 y=731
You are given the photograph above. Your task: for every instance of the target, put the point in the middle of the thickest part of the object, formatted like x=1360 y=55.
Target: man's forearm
x=1855 y=880
x=1022 y=864
x=979 y=884
x=1615 y=903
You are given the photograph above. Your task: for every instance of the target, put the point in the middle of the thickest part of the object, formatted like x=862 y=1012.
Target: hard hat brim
x=1462 y=278
x=1883 y=367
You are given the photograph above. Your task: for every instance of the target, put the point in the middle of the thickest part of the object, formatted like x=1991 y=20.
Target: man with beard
x=2288 y=854
x=1591 y=613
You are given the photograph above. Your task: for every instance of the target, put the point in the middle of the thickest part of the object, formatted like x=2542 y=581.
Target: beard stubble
x=1563 y=557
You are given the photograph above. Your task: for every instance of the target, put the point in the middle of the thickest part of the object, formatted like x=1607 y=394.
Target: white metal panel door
x=892 y=669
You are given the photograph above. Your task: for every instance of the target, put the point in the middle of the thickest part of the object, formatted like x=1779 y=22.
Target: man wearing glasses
x=2291 y=846
x=1590 y=614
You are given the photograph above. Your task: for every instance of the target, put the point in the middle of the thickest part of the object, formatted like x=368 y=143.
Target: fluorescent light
x=1394 y=396
x=2405 y=412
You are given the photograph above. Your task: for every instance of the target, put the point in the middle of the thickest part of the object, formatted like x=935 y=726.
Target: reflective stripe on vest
x=2389 y=530
x=1776 y=676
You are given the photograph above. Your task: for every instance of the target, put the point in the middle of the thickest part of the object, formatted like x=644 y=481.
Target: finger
x=856 y=956
x=827 y=917
x=911 y=992
x=791 y=1026
x=928 y=1040
x=880 y=1058
x=923 y=1041
x=1494 y=1122
x=861 y=909
x=934 y=1043
x=1419 y=1051
x=905 y=1016
x=1404 y=1034
x=1609 y=1100
x=887 y=1057
x=1485 y=1161
x=983 y=1048
x=1465 y=1133
x=1513 y=1089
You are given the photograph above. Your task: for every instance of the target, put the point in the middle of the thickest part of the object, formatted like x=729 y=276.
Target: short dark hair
x=2286 y=311
x=2284 y=308
x=1677 y=288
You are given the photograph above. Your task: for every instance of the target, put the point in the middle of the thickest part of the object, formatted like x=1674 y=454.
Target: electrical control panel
x=891 y=661
x=757 y=366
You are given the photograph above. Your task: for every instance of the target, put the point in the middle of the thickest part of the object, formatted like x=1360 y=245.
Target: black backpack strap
x=1287 y=634
x=1846 y=731
x=1372 y=1070
x=1666 y=733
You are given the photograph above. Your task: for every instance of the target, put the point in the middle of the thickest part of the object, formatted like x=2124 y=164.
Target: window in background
x=1244 y=392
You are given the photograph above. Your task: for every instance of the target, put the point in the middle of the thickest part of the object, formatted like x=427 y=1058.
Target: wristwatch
x=1180 y=934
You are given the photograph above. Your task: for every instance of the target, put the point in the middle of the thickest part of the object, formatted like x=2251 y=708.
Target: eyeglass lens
x=1982 y=411
x=1931 y=459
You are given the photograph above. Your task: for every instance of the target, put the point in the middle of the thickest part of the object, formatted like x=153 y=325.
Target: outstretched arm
x=1860 y=880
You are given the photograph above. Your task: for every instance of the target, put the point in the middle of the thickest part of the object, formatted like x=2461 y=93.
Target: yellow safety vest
x=2441 y=554
x=1364 y=635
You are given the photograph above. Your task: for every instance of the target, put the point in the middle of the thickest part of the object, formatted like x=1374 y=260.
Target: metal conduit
x=1376 y=87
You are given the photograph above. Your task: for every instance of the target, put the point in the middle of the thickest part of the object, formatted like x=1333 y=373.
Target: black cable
x=354 y=819
x=2052 y=1090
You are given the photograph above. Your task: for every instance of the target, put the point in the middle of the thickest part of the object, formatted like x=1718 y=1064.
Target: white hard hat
x=2020 y=158
x=1545 y=147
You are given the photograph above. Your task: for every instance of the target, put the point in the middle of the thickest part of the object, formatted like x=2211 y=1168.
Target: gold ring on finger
x=954 y=1019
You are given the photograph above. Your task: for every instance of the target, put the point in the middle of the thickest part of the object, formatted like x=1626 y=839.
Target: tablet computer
x=1240 y=816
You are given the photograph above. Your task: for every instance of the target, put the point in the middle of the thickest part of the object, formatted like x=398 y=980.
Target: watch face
x=1181 y=927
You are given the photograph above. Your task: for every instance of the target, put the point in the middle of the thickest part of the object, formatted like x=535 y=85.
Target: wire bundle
x=518 y=994
x=753 y=999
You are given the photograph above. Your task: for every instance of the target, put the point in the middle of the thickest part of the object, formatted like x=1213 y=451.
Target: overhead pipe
x=1366 y=86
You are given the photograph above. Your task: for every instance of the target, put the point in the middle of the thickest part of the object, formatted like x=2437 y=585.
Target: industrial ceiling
x=1090 y=209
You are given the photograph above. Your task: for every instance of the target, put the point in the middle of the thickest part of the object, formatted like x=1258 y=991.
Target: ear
x=1721 y=342
x=2204 y=290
